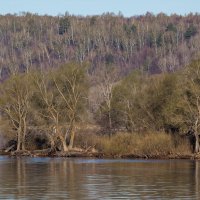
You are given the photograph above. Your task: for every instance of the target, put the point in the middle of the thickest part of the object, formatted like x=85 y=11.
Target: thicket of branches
x=54 y=103
x=51 y=103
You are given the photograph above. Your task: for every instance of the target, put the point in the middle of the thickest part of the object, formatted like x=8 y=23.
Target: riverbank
x=84 y=154
x=121 y=145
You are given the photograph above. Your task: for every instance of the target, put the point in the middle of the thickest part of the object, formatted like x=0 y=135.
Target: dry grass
x=156 y=144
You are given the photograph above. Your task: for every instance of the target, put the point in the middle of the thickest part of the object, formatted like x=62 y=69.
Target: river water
x=67 y=178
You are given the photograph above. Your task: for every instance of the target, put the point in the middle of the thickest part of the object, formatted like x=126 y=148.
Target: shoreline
x=73 y=154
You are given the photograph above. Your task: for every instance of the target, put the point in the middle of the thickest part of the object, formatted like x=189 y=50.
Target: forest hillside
x=151 y=43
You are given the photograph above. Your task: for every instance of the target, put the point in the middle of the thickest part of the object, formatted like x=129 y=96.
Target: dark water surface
x=64 y=178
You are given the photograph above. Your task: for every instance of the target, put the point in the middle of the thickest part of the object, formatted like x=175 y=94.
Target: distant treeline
x=152 y=43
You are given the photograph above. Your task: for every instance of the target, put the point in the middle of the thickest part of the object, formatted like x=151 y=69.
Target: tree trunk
x=110 y=123
x=23 y=143
x=196 y=143
x=18 y=140
x=72 y=135
x=24 y=134
x=65 y=148
x=52 y=142
x=62 y=139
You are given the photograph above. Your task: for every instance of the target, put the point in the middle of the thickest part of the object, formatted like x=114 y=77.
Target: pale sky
x=94 y=7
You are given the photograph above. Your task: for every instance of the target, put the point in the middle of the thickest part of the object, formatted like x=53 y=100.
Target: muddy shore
x=48 y=153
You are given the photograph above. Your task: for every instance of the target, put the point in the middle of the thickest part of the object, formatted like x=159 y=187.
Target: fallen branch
x=9 y=148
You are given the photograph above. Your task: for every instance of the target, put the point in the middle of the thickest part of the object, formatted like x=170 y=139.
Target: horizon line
x=120 y=13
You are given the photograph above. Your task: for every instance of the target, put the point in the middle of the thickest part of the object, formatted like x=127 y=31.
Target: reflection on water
x=62 y=178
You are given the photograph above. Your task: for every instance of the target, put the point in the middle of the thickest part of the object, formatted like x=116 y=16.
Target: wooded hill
x=153 y=43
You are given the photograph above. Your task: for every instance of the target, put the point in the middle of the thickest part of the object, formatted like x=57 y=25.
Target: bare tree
x=15 y=105
x=70 y=82
x=107 y=78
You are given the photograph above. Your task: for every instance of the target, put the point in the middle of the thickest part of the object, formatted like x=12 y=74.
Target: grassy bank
x=144 y=145
x=120 y=145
